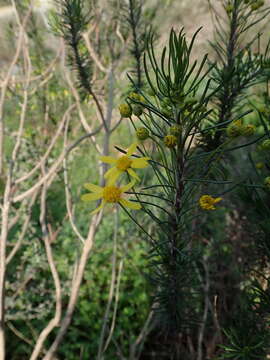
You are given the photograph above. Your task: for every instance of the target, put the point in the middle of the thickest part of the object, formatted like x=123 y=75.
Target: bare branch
x=58 y=302
x=75 y=286
x=68 y=196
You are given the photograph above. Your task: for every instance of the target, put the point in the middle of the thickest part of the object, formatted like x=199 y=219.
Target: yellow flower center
x=111 y=194
x=123 y=163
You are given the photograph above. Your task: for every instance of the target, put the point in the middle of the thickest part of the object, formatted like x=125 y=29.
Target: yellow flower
x=207 y=202
x=109 y=194
x=124 y=163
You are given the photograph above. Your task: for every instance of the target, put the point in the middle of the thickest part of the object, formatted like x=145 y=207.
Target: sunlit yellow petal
x=128 y=186
x=130 y=204
x=132 y=149
x=112 y=175
x=110 y=172
x=91 y=197
x=92 y=187
x=108 y=159
x=133 y=174
x=216 y=200
x=98 y=208
x=140 y=163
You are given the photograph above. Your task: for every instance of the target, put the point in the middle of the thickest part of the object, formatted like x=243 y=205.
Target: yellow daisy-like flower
x=110 y=193
x=207 y=202
x=124 y=163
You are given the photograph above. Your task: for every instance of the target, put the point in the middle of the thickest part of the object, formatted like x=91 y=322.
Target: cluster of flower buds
x=237 y=128
x=126 y=110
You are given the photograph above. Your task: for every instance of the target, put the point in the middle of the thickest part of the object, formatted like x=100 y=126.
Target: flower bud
x=259 y=165
x=136 y=96
x=234 y=129
x=142 y=133
x=137 y=110
x=248 y=130
x=125 y=110
x=267 y=182
x=170 y=141
x=265 y=145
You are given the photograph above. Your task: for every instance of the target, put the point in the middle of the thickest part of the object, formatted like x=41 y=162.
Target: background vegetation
x=78 y=286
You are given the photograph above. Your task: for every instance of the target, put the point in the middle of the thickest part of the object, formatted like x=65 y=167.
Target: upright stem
x=228 y=96
x=174 y=241
x=136 y=50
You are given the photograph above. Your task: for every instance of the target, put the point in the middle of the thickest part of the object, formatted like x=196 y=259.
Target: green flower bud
x=267 y=182
x=175 y=130
x=125 y=110
x=170 y=141
x=142 y=133
x=234 y=129
x=136 y=96
x=259 y=165
x=137 y=110
x=265 y=145
x=248 y=130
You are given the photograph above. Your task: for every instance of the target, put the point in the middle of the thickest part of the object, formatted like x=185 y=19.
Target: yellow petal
x=216 y=200
x=109 y=172
x=130 y=204
x=112 y=175
x=98 y=208
x=133 y=174
x=131 y=149
x=91 y=197
x=108 y=159
x=140 y=163
x=128 y=186
x=93 y=187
